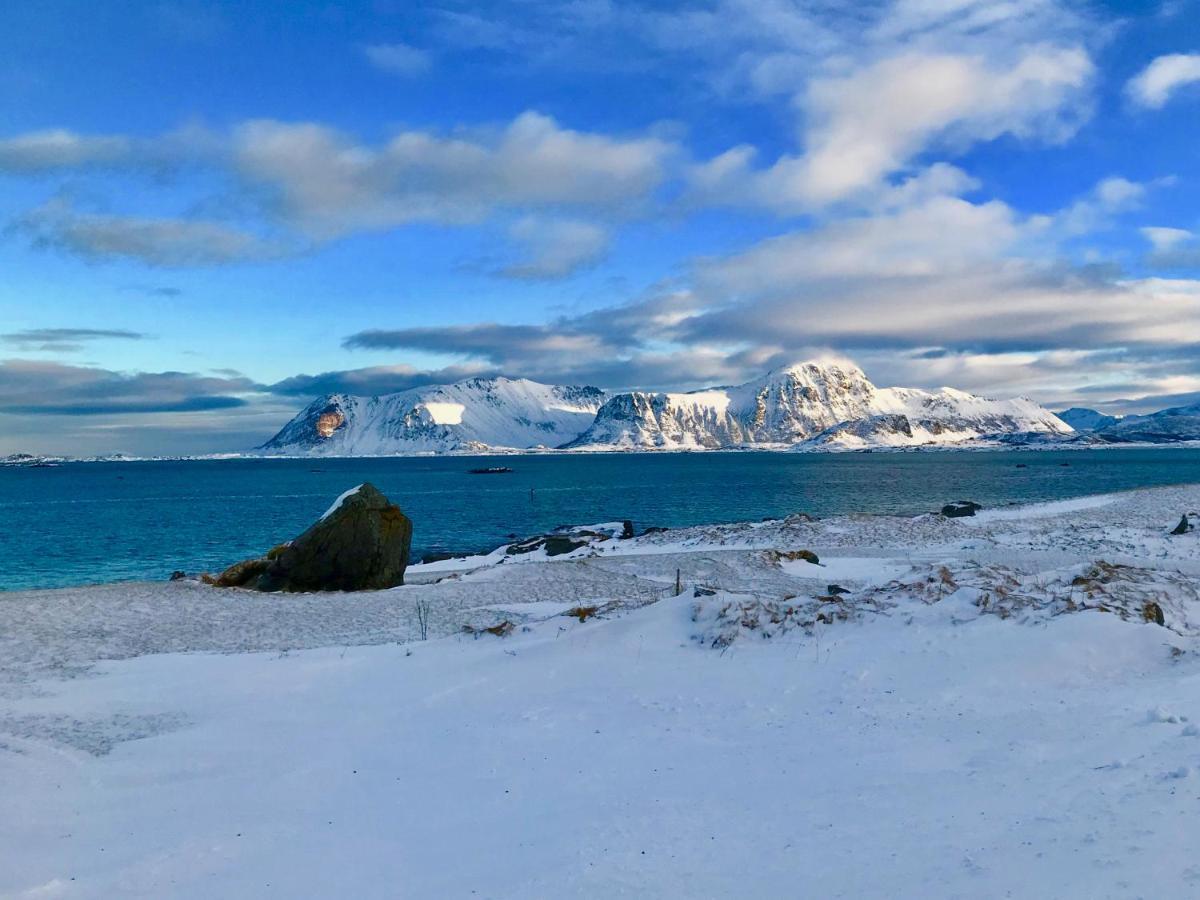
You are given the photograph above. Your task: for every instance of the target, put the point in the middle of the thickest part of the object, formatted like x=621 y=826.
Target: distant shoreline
x=501 y=452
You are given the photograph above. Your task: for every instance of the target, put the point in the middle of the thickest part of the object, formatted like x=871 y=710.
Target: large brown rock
x=361 y=544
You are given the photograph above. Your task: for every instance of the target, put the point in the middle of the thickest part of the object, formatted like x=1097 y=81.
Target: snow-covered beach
x=981 y=706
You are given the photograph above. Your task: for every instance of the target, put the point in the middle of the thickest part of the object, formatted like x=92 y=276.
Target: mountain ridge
x=807 y=405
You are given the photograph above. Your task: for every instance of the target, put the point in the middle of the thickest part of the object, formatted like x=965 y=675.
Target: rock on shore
x=362 y=543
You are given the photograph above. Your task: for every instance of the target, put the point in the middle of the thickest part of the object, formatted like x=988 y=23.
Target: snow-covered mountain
x=805 y=406
x=817 y=405
x=1167 y=426
x=1084 y=420
x=474 y=415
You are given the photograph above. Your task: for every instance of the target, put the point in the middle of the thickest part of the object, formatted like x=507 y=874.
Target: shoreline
x=505 y=452
x=1011 y=511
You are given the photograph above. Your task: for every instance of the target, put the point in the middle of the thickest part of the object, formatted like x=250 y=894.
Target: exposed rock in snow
x=812 y=405
x=470 y=416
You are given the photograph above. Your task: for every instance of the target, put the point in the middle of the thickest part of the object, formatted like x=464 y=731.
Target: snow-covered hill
x=474 y=415
x=1167 y=426
x=1084 y=420
x=813 y=405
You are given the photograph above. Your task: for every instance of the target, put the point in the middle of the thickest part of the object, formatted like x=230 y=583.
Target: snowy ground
x=985 y=711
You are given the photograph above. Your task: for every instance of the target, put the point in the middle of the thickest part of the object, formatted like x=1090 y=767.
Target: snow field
x=986 y=712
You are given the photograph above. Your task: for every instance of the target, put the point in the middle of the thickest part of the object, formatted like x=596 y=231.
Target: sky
x=211 y=213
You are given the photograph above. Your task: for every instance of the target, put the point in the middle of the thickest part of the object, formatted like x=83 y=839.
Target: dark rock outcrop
x=554 y=544
x=361 y=544
x=960 y=509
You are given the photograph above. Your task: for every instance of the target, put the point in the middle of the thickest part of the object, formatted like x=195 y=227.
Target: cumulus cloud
x=315 y=184
x=48 y=388
x=866 y=125
x=326 y=185
x=1154 y=85
x=398 y=58
x=163 y=242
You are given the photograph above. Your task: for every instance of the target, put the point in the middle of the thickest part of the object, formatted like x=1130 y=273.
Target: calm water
x=94 y=522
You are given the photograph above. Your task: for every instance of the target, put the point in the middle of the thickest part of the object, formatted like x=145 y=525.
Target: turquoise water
x=83 y=523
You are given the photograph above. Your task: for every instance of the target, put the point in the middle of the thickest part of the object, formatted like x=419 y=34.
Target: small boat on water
x=490 y=470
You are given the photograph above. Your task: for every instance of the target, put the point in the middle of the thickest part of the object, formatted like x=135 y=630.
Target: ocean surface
x=83 y=523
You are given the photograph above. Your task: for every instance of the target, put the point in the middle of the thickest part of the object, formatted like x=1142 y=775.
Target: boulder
x=360 y=544
x=960 y=509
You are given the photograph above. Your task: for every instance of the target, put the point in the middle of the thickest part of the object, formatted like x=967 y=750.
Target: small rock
x=1183 y=527
x=834 y=590
x=1152 y=612
x=178 y=575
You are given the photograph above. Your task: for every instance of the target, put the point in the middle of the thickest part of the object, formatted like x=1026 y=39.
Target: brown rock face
x=361 y=545
x=329 y=422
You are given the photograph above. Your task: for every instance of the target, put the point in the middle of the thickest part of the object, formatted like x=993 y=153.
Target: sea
x=96 y=522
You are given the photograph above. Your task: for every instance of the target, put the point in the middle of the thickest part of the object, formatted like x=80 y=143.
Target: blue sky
x=213 y=212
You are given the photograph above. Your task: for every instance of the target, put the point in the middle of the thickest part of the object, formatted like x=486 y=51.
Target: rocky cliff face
x=831 y=406
x=473 y=415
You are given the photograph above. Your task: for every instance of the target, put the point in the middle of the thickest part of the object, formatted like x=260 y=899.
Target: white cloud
x=58 y=149
x=555 y=248
x=1174 y=248
x=1161 y=238
x=866 y=126
x=1110 y=197
x=327 y=185
x=872 y=122
x=944 y=270
x=1155 y=84
x=398 y=58
x=161 y=242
